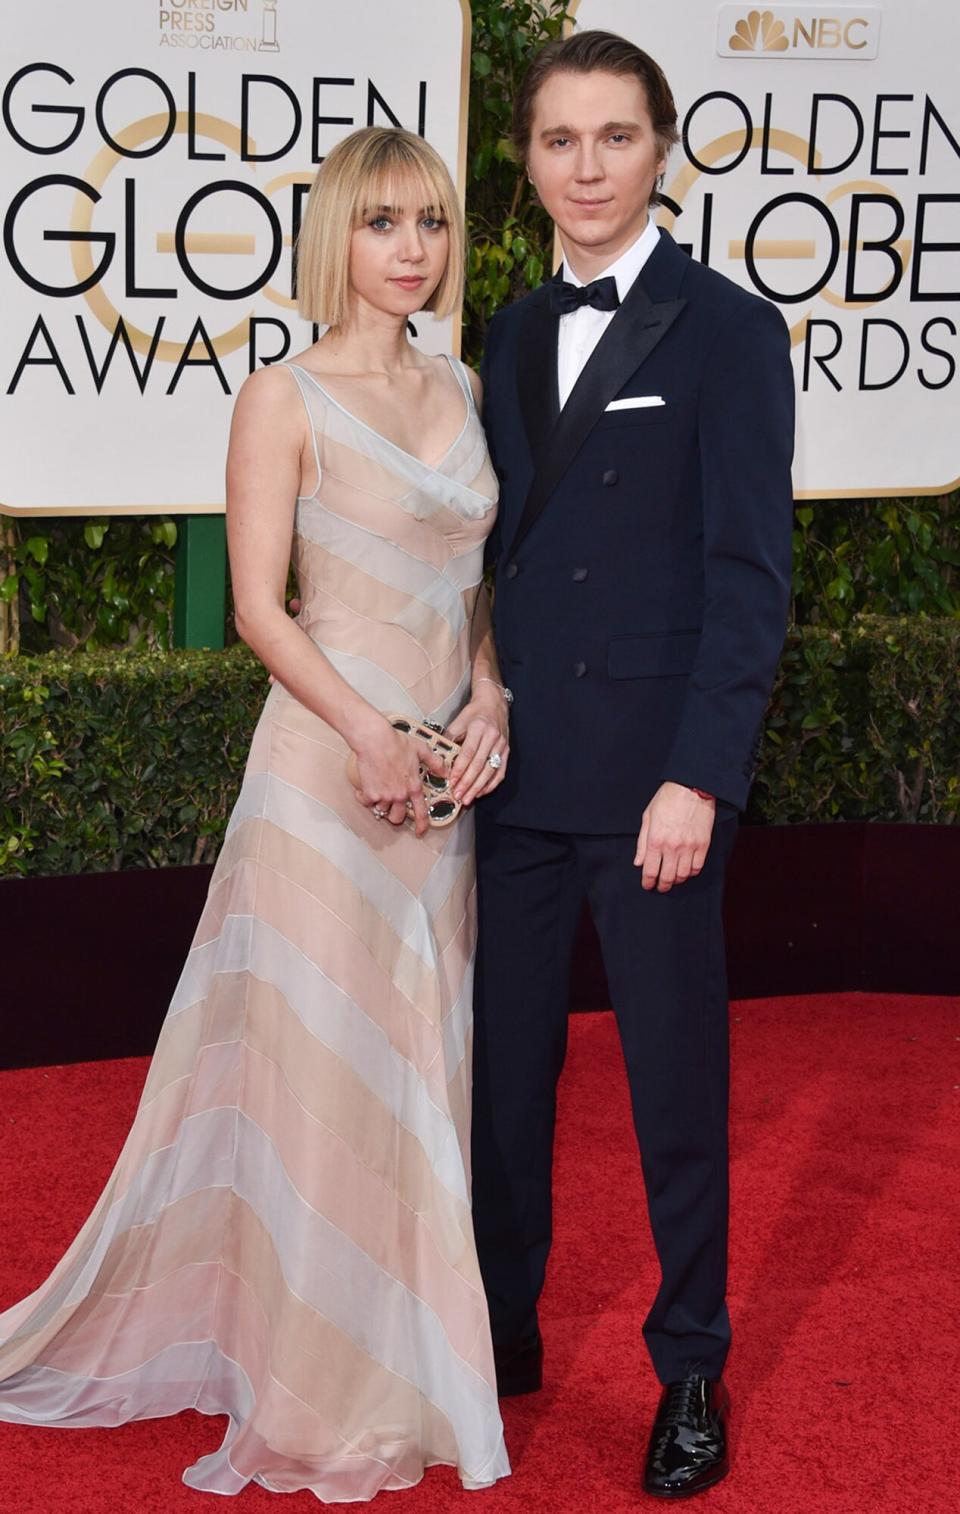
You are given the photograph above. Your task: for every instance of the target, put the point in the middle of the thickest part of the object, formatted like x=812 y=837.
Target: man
x=639 y=410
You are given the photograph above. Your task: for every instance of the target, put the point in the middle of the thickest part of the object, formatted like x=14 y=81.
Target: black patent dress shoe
x=519 y=1366
x=688 y=1443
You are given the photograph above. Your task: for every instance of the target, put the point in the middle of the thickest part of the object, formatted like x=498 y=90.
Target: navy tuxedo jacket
x=643 y=553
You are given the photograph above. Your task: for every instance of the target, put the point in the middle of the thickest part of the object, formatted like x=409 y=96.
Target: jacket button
x=511 y=570
x=611 y=477
x=579 y=669
x=579 y=574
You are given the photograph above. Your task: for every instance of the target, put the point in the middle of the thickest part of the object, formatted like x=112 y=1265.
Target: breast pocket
x=643 y=415
x=652 y=656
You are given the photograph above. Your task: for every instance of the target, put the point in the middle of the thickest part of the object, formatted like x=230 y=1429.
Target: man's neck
x=591 y=262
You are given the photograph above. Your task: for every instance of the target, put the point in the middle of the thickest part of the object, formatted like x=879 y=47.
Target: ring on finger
x=378 y=813
x=495 y=760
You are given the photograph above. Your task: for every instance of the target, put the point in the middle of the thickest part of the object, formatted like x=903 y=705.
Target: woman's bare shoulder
x=269 y=388
x=268 y=405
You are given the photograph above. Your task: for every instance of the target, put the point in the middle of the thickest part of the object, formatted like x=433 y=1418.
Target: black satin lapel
x=627 y=342
x=537 y=373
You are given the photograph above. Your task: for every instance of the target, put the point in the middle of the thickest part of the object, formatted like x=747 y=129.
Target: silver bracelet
x=507 y=693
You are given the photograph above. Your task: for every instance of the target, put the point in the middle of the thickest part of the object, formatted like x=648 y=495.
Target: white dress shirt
x=581 y=330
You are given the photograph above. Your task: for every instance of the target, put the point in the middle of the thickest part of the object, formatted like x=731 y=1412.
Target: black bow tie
x=601 y=294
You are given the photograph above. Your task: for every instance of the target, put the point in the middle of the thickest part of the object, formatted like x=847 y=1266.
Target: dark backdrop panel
x=90 y=962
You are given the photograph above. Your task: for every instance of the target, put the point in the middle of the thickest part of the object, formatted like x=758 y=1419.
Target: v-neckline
x=430 y=467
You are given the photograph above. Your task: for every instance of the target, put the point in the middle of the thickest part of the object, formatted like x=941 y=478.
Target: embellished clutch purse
x=442 y=807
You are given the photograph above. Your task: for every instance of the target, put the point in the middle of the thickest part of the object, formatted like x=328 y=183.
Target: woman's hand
x=482 y=730
x=389 y=772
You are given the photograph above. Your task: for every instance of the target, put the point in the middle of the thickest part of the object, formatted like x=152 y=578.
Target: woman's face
x=398 y=253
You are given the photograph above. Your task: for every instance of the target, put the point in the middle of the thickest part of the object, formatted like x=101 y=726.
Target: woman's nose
x=411 y=248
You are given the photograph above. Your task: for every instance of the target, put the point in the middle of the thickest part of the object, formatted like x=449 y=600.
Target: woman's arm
x=263 y=476
x=482 y=726
x=268 y=436
x=483 y=650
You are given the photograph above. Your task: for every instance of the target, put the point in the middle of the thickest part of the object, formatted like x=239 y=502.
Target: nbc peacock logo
x=759 y=32
x=798 y=31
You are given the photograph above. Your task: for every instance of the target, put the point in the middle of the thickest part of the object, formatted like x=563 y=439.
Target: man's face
x=593 y=159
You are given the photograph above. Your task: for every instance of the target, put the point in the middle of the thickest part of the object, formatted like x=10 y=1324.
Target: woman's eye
x=380 y=223
x=433 y=223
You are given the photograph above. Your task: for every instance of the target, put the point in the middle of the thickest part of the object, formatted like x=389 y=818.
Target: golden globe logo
x=787 y=31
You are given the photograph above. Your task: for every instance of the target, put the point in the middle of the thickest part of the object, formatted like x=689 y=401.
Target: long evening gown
x=286 y=1238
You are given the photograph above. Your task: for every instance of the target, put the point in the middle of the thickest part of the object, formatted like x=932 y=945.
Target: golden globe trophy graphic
x=268 y=38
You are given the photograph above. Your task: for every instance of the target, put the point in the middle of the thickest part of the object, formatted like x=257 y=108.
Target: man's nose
x=588 y=167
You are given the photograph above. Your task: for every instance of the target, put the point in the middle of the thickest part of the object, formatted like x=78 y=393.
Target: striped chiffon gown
x=286 y=1238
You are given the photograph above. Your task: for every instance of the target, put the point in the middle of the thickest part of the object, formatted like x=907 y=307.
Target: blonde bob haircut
x=371 y=169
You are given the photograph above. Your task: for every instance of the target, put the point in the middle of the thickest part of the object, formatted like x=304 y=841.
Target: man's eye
x=619 y=136
x=559 y=141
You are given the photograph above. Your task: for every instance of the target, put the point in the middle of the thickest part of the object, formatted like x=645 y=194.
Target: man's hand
x=674 y=837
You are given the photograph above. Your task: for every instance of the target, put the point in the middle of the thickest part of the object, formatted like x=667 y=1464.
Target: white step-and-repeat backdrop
x=820 y=166
x=156 y=155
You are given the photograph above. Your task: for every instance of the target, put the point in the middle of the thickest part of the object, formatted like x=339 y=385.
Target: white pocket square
x=636 y=402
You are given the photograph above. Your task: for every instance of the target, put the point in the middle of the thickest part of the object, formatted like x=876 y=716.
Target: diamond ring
x=495 y=760
x=378 y=814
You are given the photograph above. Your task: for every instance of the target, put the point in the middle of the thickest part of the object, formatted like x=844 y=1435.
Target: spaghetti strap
x=463 y=378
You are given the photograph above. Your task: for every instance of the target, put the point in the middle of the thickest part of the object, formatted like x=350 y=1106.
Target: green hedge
x=121 y=759
x=864 y=724
x=112 y=760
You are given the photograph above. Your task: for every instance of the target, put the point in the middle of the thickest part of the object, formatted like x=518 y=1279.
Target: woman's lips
x=409 y=281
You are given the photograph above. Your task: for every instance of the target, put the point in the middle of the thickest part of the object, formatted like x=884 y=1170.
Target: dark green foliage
x=881 y=557
x=510 y=235
x=864 y=724
x=111 y=760
x=120 y=759
x=103 y=581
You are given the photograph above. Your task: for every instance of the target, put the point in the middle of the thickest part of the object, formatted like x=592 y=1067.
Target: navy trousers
x=664 y=958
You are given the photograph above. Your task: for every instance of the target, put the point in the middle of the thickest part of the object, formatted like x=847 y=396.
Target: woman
x=286 y=1238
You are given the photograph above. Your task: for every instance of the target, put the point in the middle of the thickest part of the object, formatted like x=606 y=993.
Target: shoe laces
x=683 y=1402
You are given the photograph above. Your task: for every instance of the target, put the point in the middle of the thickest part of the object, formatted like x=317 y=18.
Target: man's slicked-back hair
x=593 y=52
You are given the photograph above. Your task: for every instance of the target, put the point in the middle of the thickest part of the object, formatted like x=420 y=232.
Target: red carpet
x=844 y=1281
